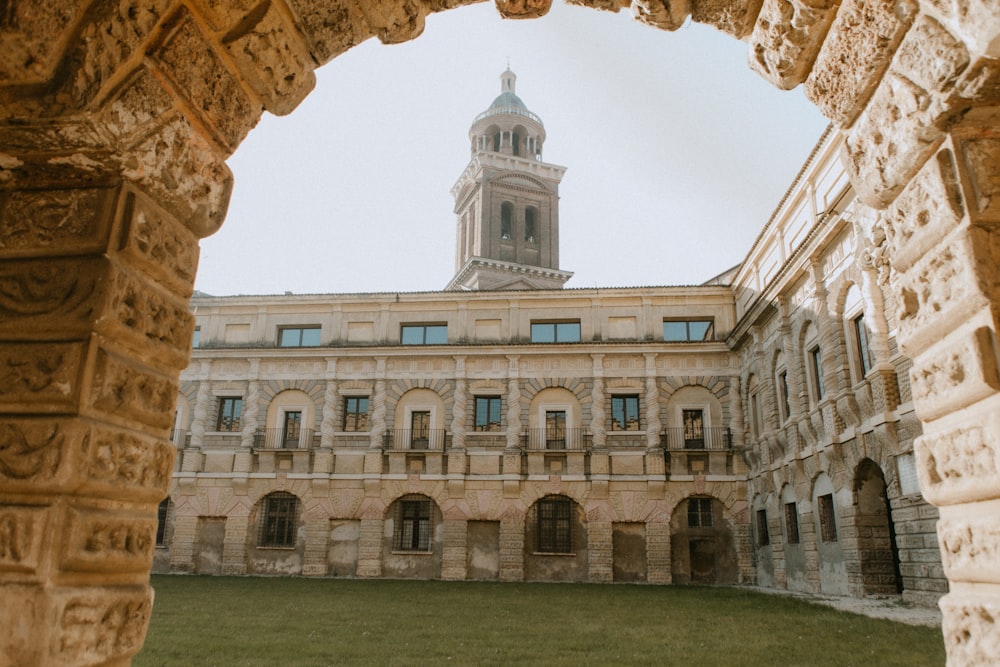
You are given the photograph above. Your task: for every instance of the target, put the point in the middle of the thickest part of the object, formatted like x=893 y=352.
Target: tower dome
x=507 y=126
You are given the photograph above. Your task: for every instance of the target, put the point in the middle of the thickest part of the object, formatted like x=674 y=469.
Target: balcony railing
x=570 y=439
x=277 y=438
x=716 y=438
x=432 y=440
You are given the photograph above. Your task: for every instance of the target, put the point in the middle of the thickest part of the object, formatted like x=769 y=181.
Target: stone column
x=512 y=454
x=324 y=459
x=314 y=557
x=600 y=461
x=191 y=461
x=459 y=417
x=373 y=457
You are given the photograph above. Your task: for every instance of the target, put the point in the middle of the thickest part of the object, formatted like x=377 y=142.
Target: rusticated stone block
x=185 y=174
x=662 y=14
x=970 y=549
x=33 y=38
x=971 y=628
x=523 y=9
x=159 y=245
x=22 y=532
x=956 y=376
x=99 y=625
x=271 y=58
x=928 y=208
x=52 y=298
x=209 y=90
x=855 y=54
x=33 y=452
x=136 y=107
x=149 y=318
x=395 y=21
x=733 y=17
x=54 y=222
x=103 y=541
x=39 y=377
x=331 y=28
x=123 y=464
x=979 y=163
x=787 y=38
x=41 y=136
x=125 y=392
x=961 y=464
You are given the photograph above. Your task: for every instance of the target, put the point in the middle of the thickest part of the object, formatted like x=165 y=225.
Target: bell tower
x=507 y=202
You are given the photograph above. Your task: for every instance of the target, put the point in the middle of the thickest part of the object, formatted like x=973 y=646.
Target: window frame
x=784 y=406
x=557 y=326
x=278 y=523
x=815 y=354
x=489 y=425
x=699 y=512
x=624 y=425
x=235 y=421
x=196 y=338
x=862 y=346
x=424 y=329
x=827 y=510
x=554 y=525
x=792 y=523
x=300 y=330
x=708 y=336
x=760 y=522
x=414 y=525
x=356 y=414
x=162 y=515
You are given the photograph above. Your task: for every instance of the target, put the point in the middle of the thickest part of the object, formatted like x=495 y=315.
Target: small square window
x=555 y=332
x=299 y=336
x=424 y=334
x=675 y=331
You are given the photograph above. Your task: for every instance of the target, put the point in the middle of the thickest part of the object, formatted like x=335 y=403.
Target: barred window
x=279 y=514
x=699 y=512
x=827 y=518
x=791 y=523
x=555 y=526
x=413 y=525
x=161 y=522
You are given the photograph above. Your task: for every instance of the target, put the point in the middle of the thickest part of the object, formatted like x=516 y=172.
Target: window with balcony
x=356 y=414
x=277 y=525
x=230 y=412
x=555 y=332
x=694 y=428
x=424 y=334
x=487 y=417
x=305 y=336
x=554 y=526
x=791 y=524
x=827 y=518
x=506 y=221
x=679 y=331
x=861 y=348
x=555 y=429
x=413 y=525
x=624 y=413
x=699 y=512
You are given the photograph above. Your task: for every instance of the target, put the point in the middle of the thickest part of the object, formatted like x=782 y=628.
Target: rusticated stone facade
x=117 y=120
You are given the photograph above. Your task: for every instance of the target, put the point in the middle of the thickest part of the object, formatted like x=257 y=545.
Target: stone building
x=753 y=429
x=118 y=117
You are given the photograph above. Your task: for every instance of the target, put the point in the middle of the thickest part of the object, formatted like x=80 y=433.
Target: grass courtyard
x=205 y=621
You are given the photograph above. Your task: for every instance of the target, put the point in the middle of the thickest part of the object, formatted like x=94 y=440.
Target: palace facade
x=758 y=428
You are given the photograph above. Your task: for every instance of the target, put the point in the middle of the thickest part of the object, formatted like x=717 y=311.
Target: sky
x=676 y=155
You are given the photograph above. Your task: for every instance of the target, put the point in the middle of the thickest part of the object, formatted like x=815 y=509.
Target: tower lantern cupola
x=507 y=202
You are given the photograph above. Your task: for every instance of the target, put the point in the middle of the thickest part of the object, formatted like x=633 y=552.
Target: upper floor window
x=307 y=336
x=277 y=521
x=196 y=338
x=699 y=512
x=624 y=413
x=688 y=330
x=783 y=395
x=555 y=332
x=162 y=512
x=763 y=537
x=555 y=526
x=515 y=142
x=530 y=223
x=424 y=334
x=230 y=411
x=816 y=371
x=865 y=361
x=487 y=413
x=506 y=221
x=356 y=413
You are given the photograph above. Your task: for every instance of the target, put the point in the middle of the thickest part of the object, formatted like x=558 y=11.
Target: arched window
x=530 y=231
x=413 y=524
x=278 y=517
x=555 y=525
x=496 y=142
x=515 y=142
x=506 y=220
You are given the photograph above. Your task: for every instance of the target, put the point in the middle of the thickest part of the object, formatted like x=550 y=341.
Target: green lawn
x=208 y=621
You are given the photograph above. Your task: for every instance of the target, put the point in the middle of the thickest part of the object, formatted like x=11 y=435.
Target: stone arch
x=877 y=548
x=150 y=135
x=276 y=535
x=412 y=537
x=555 y=539
x=703 y=541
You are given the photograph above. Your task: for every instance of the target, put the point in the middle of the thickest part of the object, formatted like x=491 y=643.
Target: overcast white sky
x=676 y=152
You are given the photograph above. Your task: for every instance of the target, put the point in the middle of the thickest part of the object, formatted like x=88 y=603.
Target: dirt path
x=891 y=608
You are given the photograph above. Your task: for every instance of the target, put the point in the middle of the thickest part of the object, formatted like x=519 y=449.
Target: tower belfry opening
x=507 y=202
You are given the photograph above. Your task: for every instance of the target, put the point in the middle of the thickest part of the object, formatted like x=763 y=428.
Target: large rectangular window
x=699 y=512
x=307 y=336
x=865 y=361
x=555 y=526
x=694 y=429
x=356 y=413
x=791 y=523
x=230 y=412
x=675 y=331
x=278 y=520
x=624 y=413
x=413 y=532
x=827 y=518
x=763 y=537
x=487 y=413
x=555 y=332
x=424 y=334
x=816 y=370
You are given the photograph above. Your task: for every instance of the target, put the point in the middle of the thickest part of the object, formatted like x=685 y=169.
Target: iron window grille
x=791 y=523
x=413 y=528
x=827 y=518
x=278 y=521
x=699 y=512
x=555 y=526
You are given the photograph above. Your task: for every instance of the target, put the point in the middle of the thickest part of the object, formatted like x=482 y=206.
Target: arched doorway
x=877 y=551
